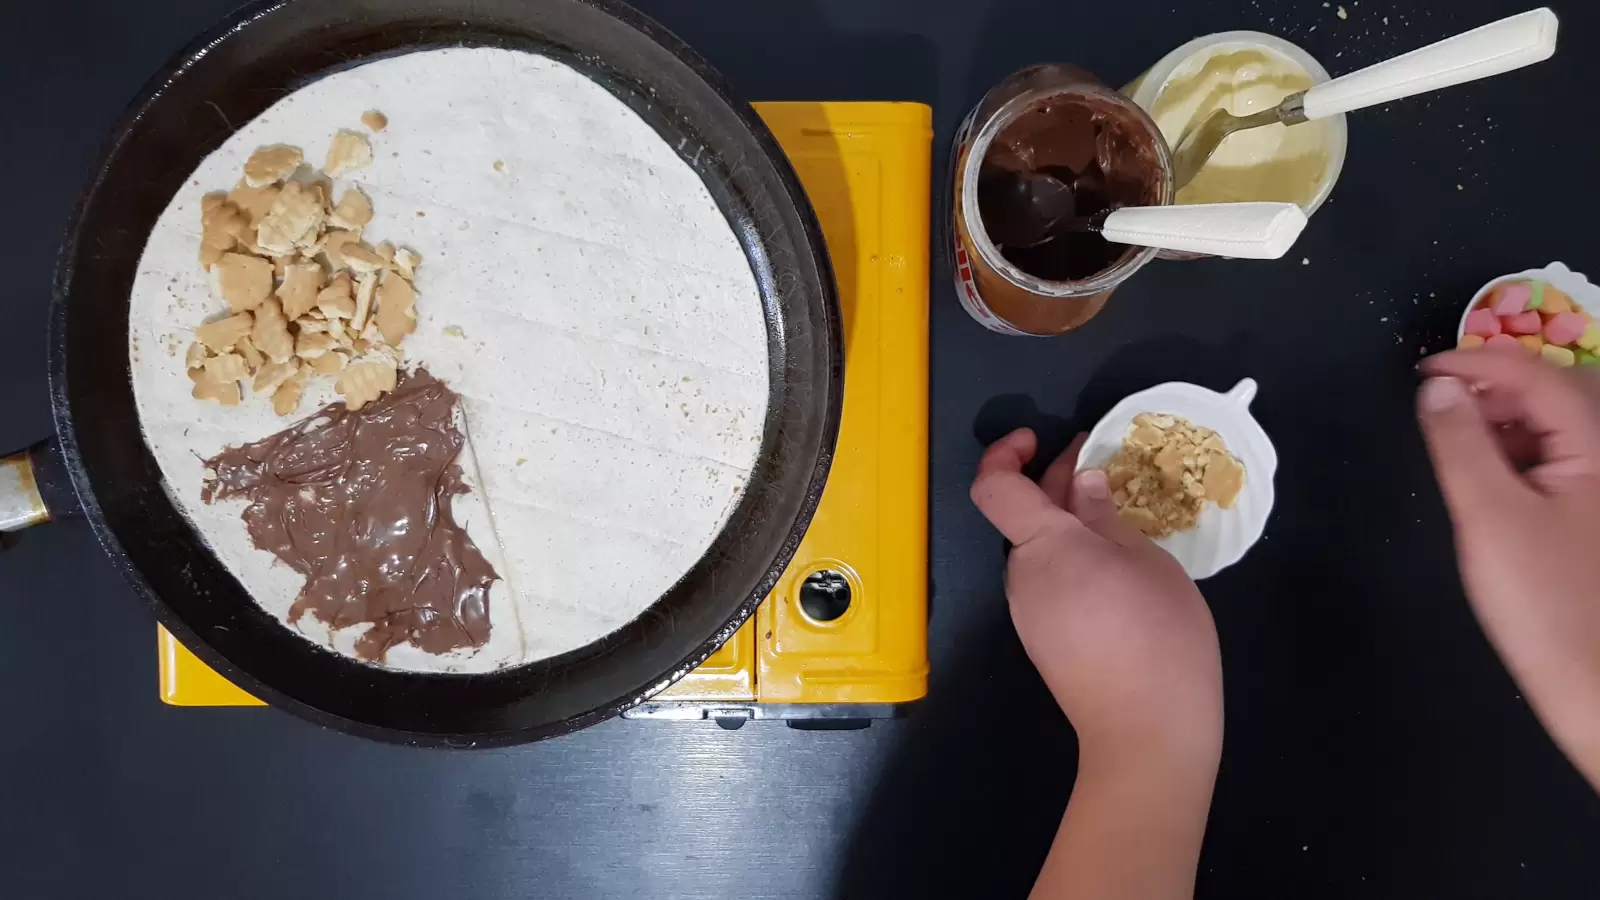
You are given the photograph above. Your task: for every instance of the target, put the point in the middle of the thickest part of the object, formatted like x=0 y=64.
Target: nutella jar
x=1059 y=121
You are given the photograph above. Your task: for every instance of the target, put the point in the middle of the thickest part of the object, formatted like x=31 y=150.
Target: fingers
x=1057 y=480
x=1090 y=501
x=1472 y=469
x=1551 y=402
x=1087 y=495
x=1009 y=499
x=1010 y=453
x=1520 y=445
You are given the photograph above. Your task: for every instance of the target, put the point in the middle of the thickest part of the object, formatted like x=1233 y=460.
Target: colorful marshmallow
x=1590 y=339
x=1535 y=295
x=1555 y=301
x=1484 y=323
x=1510 y=299
x=1533 y=317
x=1565 y=328
x=1561 y=356
x=1523 y=323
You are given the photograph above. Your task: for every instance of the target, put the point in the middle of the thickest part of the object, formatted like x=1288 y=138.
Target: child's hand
x=1518 y=458
x=1121 y=635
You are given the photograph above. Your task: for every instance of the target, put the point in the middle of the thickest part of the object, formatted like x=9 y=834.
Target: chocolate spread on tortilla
x=359 y=503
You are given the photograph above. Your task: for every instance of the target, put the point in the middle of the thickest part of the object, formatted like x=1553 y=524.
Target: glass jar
x=1035 y=119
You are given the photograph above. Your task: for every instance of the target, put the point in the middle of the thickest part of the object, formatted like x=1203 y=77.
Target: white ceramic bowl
x=1223 y=535
x=1574 y=284
x=1147 y=87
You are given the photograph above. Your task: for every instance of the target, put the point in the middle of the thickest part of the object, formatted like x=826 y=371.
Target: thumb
x=1472 y=470
x=1091 y=502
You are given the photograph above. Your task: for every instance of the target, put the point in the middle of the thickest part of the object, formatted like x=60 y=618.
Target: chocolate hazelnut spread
x=1089 y=147
x=1059 y=121
x=359 y=503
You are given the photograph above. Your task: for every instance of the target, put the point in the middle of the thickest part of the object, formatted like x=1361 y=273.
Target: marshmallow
x=1523 y=323
x=1565 y=328
x=1483 y=322
x=1561 y=356
x=1510 y=299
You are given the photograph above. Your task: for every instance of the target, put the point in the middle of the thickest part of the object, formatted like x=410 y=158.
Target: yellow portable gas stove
x=842 y=639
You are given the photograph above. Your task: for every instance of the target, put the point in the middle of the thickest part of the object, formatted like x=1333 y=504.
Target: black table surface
x=1375 y=746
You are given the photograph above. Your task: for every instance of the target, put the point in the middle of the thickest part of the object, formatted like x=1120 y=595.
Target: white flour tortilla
x=586 y=297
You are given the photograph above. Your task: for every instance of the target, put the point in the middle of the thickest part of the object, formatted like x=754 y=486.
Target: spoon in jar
x=1043 y=208
x=1498 y=47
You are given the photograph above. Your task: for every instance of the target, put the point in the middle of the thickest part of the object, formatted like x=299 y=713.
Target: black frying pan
x=234 y=73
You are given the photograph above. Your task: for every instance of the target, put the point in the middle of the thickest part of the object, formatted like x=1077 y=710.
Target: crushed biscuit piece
x=333 y=245
x=196 y=357
x=375 y=120
x=365 y=285
x=227 y=367
x=295 y=220
x=286 y=399
x=406 y=262
x=365 y=381
x=270 y=165
x=1165 y=472
x=329 y=363
x=361 y=260
x=322 y=186
x=353 y=212
x=225 y=393
x=242 y=280
x=273 y=374
x=252 y=357
x=220 y=225
x=1142 y=519
x=311 y=344
x=222 y=334
x=254 y=202
x=311 y=325
x=385 y=251
x=348 y=152
x=301 y=282
x=397 y=309
x=271 y=332
x=335 y=300
x=1223 y=479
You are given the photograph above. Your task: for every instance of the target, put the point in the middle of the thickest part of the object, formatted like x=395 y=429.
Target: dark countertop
x=1375 y=746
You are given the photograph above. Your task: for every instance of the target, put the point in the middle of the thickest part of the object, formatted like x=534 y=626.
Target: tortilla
x=579 y=288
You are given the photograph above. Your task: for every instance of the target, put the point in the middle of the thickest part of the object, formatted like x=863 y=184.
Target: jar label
x=971 y=300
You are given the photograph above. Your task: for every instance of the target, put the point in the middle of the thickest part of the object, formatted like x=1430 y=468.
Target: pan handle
x=22 y=503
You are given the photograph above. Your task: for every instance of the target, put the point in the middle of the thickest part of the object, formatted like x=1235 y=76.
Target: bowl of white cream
x=1245 y=72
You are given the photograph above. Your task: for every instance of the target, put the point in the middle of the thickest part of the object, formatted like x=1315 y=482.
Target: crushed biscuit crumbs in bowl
x=1221 y=537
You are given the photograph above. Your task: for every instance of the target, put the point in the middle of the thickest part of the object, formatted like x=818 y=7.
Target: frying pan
x=99 y=466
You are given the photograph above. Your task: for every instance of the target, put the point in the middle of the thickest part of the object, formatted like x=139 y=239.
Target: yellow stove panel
x=865 y=167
